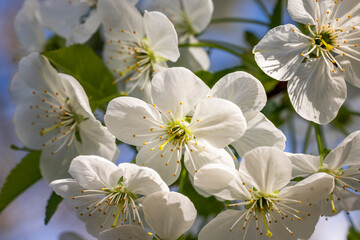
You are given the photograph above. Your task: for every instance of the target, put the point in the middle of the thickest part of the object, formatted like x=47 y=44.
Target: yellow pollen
x=144 y=143
x=198 y=120
x=181 y=103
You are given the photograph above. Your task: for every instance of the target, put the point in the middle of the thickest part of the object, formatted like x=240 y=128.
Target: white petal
x=77 y=95
x=303 y=164
x=193 y=58
x=121 y=15
x=317 y=93
x=84 y=31
x=302 y=11
x=217 y=121
x=203 y=153
x=219 y=227
x=28 y=27
x=141 y=180
x=278 y=54
x=166 y=162
x=350 y=65
x=259 y=132
x=177 y=90
x=66 y=188
x=346 y=153
x=126 y=232
x=242 y=89
x=61 y=16
x=161 y=35
x=92 y=172
x=269 y=168
x=169 y=214
x=310 y=190
x=97 y=140
x=131 y=120
x=221 y=181
x=198 y=13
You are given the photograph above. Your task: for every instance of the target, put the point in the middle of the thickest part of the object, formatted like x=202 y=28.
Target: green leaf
x=205 y=206
x=276 y=18
x=353 y=234
x=54 y=43
x=51 y=206
x=182 y=237
x=25 y=174
x=81 y=62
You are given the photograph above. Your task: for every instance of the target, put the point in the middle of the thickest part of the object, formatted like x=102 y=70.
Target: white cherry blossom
x=316 y=65
x=248 y=93
x=270 y=208
x=190 y=17
x=105 y=195
x=181 y=120
x=168 y=214
x=137 y=47
x=343 y=165
x=52 y=113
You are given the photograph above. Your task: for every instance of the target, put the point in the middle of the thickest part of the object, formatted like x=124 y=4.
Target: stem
x=263 y=7
x=319 y=141
x=307 y=138
x=212 y=45
x=183 y=177
x=237 y=20
x=292 y=134
x=354 y=113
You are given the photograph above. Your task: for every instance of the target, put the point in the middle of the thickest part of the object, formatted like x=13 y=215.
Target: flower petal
x=303 y=11
x=218 y=122
x=316 y=93
x=303 y=164
x=166 y=162
x=83 y=32
x=161 y=35
x=126 y=232
x=198 y=13
x=278 y=54
x=310 y=190
x=178 y=90
x=221 y=181
x=203 y=153
x=242 y=89
x=169 y=214
x=269 y=168
x=259 y=132
x=28 y=27
x=346 y=153
x=122 y=18
x=61 y=16
x=131 y=120
x=141 y=180
x=92 y=172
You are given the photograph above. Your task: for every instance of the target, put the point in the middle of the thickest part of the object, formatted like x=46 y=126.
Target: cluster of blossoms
x=180 y=125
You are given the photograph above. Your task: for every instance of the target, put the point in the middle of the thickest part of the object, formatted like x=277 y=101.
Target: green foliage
x=251 y=39
x=276 y=18
x=25 y=174
x=205 y=206
x=353 y=234
x=54 y=43
x=82 y=63
x=51 y=206
x=182 y=237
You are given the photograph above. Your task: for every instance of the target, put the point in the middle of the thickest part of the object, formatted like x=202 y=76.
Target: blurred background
x=24 y=217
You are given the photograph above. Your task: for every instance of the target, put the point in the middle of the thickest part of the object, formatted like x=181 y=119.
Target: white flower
x=52 y=113
x=248 y=93
x=317 y=65
x=343 y=165
x=169 y=215
x=137 y=47
x=182 y=119
x=105 y=195
x=190 y=17
x=28 y=27
x=271 y=208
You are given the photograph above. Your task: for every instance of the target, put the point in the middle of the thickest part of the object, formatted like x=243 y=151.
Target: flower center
x=325 y=40
x=115 y=202
x=178 y=132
